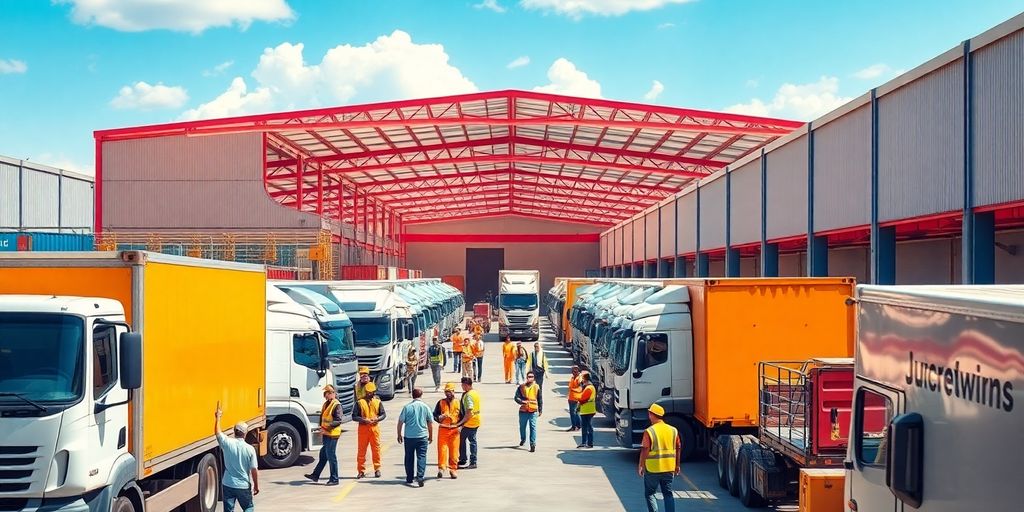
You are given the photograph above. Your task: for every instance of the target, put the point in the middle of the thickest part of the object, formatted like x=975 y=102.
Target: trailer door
x=874 y=407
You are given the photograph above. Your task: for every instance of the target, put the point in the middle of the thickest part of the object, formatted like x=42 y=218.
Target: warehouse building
x=44 y=208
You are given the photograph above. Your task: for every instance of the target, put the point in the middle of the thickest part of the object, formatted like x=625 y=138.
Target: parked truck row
x=113 y=362
x=757 y=373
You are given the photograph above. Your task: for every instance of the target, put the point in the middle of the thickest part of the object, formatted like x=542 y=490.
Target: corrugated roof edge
x=977 y=42
x=47 y=168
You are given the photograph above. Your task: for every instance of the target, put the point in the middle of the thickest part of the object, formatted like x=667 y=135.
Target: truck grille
x=17 y=462
x=371 y=361
x=346 y=393
x=518 y=320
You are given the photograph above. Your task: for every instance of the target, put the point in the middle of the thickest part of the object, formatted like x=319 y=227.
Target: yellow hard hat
x=329 y=389
x=370 y=387
x=657 y=410
x=364 y=369
x=449 y=386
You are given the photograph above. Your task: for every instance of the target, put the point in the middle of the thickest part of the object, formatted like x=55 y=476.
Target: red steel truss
x=528 y=154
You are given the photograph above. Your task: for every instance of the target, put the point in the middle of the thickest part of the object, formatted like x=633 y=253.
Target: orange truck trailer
x=694 y=348
x=113 y=365
x=561 y=298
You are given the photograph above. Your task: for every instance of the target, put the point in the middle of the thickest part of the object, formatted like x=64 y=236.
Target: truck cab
x=519 y=304
x=298 y=367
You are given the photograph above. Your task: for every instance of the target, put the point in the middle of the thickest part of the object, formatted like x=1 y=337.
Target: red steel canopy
x=487 y=154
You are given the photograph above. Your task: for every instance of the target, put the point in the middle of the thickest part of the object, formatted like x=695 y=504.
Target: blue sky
x=68 y=67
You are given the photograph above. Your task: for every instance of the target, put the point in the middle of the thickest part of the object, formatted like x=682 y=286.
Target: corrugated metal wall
x=668 y=230
x=39 y=193
x=999 y=121
x=787 y=190
x=604 y=260
x=638 y=240
x=76 y=198
x=712 y=215
x=920 y=146
x=842 y=171
x=36 y=197
x=9 y=196
x=652 y=237
x=687 y=231
x=627 y=243
x=746 y=203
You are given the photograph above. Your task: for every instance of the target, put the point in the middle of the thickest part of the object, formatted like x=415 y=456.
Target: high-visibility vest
x=662 y=456
x=436 y=355
x=371 y=410
x=478 y=329
x=575 y=388
x=590 y=406
x=530 y=395
x=361 y=390
x=327 y=416
x=456 y=344
x=449 y=412
x=475 y=420
x=467 y=355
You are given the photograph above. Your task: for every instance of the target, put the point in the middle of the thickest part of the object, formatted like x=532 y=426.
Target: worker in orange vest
x=575 y=391
x=468 y=359
x=448 y=415
x=478 y=352
x=457 y=350
x=531 y=406
x=368 y=412
x=508 y=350
x=478 y=330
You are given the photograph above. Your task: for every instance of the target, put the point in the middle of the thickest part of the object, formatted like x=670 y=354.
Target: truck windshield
x=340 y=341
x=41 y=356
x=623 y=343
x=372 y=332
x=509 y=301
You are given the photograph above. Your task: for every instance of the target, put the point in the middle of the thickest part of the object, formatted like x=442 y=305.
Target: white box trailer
x=938 y=423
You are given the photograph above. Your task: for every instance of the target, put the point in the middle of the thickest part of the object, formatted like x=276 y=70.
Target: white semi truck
x=519 y=304
x=938 y=394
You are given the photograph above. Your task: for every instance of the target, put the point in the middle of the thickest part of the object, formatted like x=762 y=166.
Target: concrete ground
x=558 y=475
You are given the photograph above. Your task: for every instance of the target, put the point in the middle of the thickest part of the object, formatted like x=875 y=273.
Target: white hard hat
x=241 y=428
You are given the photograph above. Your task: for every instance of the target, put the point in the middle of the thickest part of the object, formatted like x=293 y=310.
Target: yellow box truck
x=111 y=367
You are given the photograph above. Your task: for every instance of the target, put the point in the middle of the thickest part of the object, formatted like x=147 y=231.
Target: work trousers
x=508 y=369
x=415 y=453
x=574 y=414
x=410 y=379
x=652 y=481
x=368 y=435
x=587 y=429
x=538 y=375
x=468 y=436
x=242 y=496
x=447 y=449
x=435 y=371
x=479 y=367
x=469 y=369
x=528 y=419
x=520 y=371
x=457 y=365
x=328 y=455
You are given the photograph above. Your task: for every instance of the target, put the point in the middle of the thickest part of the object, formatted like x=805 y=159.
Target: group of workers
x=458 y=421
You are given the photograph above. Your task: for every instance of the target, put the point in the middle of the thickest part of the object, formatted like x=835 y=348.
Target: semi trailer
x=113 y=364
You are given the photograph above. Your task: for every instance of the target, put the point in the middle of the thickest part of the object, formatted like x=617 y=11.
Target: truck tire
x=732 y=454
x=748 y=496
x=209 y=485
x=722 y=443
x=122 y=504
x=687 y=437
x=284 y=445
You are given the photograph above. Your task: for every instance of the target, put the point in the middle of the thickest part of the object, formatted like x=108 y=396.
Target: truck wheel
x=748 y=496
x=732 y=453
x=209 y=486
x=687 y=437
x=722 y=443
x=122 y=504
x=284 y=444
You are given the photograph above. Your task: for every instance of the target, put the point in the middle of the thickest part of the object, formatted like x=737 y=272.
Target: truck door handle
x=666 y=391
x=848 y=464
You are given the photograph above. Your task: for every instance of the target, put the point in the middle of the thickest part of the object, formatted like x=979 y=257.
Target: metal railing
x=784 y=408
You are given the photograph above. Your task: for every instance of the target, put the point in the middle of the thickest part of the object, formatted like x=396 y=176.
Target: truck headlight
x=385 y=378
x=623 y=422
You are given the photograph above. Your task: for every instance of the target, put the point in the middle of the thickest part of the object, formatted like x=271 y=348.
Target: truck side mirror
x=324 y=362
x=906 y=451
x=129 y=348
x=641 y=357
x=410 y=333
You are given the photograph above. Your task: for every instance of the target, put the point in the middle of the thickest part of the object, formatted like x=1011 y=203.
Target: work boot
x=312 y=478
x=453 y=475
x=376 y=474
x=521 y=443
x=332 y=482
x=440 y=474
x=533 y=448
x=419 y=482
x=471 y=466
x=360 y=475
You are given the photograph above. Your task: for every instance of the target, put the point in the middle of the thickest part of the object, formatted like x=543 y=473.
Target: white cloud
x=492 y=5
x=389 y=68
x=180 y=15
x=752 y=83
x=12 y=66
x=518 y=62
x=143 y=96
x=234 y=101
x=664 y=26
x=219 y=69
x=62 y=161
x=566 y=79
x=577 y=8
x=872 y=71
x=801 y=101
x=656 y=89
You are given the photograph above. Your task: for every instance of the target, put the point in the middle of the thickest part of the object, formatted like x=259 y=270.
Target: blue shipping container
x=46 y=242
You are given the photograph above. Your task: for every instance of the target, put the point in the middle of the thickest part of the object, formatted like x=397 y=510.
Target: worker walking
x=418 y=426
x=241 y=480
x=330 y=428
x=531 y=406
x=364 y=379
x=659 y=459
x=508 y=352
x=448 y=415
x=468 y=359
x=478 y=352
x=478 y=330
x=588 y=408
x=470 y=405
x=521 y=356
x=537 y=362
x=412 y=363
x=369 y=412
x=575 y=390
x=435 y=355
x=457 y=351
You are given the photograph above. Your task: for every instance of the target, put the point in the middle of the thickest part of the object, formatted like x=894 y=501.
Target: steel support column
x=680 y=270
x=883 y=240
x=702 y=265
x=983 y=268
x=732 y=256
x=770 y=260
x=664 y=267
x=978 y=240
x=701 y=261
x=817 y=256
x=732 y=262
x=766 y=269
x=651 y=269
